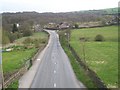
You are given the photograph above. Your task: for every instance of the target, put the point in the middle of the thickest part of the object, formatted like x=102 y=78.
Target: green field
x=42 y=36
x=102 y=57
x=78 y=69
x=14 y=60
x=13 y=85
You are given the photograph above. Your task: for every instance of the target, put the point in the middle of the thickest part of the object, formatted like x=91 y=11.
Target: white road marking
x=55 y=63
x=54 y=85
x=38 y=59
x=54 y=71
x=57 y=36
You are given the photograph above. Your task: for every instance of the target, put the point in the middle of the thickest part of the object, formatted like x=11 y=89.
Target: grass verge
x=15 y=59
x=13 y=85
x=79 y=72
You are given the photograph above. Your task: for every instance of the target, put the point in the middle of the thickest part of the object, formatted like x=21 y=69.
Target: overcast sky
x=55 y=5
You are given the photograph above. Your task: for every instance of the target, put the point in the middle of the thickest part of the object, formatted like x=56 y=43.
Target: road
x=55 y=70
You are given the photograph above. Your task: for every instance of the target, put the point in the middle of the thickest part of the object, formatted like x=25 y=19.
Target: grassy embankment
x=14 y=60
x=102 y=57
x=79 y=72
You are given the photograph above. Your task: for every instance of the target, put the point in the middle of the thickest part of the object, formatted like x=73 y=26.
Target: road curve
x=55 y=70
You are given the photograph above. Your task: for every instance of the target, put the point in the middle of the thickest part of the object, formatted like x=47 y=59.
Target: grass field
x=14 y=60
x=78 y=69
x=39 y=35
x=13 y=85
x=102 y=57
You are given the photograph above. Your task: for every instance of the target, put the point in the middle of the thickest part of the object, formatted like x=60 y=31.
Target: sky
x=55 y=5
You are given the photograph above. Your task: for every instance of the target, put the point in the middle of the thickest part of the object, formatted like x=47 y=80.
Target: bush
x=76 y=26
x=28 y=41
x=99 y=38
x=84 y=39
x=12 y=37
x=18 y=35
x=37 y=44
x=5 y=38
x=18 y=47
x=27 y=33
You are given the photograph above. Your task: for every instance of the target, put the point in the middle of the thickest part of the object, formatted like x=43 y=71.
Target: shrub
x=5 y=38
x=43 y=40
x=12 y=37
x=27 y=33
x=18 y=35
x=27 y=41
x=18 y=47
x=37 y=44
x=76 y=26
x=99 y=38
x=84 y=39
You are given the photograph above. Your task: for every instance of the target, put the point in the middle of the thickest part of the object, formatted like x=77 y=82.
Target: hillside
x=45 y=18
x=111 y=11
x=102 y=11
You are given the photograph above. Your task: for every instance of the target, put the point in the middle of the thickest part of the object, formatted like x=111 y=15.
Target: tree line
x=28 y=19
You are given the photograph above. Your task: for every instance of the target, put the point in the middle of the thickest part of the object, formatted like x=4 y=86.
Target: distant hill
x=70 y=17
x=102 y=11
x=111 y=10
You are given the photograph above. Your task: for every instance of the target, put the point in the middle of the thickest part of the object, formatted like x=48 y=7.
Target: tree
x=5 y=38
x=14 y=29
x=76 y=26
x=99 y=38
x=25 y=29
x=12 y=37
x=27 y=32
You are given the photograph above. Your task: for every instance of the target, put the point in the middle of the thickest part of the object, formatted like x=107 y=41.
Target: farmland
x=78 y=70
x=15 y=59
x=100 y=56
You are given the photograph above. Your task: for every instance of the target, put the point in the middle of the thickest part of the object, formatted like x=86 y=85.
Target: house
x=17 y=24
x=55 y=26
x=52 y=26
x=64 y=25
x=37 y=28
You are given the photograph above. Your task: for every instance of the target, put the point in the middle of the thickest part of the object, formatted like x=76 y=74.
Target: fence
x=97 y=81
x=20 y=72
x=17 y=74
x=14 y=77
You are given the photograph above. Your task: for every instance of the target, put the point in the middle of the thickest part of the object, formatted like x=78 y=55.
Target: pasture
x=100 y=56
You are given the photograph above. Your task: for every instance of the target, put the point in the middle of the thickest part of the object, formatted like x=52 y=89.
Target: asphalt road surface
x=55 y=70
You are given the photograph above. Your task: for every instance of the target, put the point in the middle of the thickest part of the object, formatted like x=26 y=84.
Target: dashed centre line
x=54 y=71
x=38 y=59
x=54 y=85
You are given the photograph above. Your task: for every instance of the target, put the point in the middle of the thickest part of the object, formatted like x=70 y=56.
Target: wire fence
x=16 y=75
x=94 y=77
